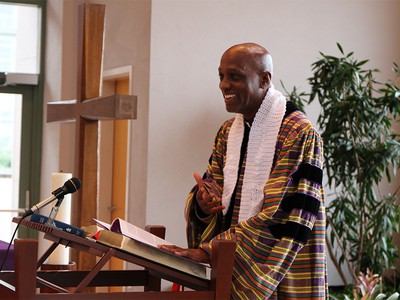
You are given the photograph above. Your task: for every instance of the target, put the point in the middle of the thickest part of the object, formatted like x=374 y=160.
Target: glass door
x=15 y=154
x=21 y=109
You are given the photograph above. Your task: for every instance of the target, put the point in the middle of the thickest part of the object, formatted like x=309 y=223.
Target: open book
x=132 y=239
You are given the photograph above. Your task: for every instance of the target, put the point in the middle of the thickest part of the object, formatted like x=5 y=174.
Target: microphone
x=70 y=186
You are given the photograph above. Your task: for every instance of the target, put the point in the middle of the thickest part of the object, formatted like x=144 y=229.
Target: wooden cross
x=86 y=111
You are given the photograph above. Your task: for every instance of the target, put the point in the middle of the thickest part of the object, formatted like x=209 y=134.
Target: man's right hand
x=207 y=202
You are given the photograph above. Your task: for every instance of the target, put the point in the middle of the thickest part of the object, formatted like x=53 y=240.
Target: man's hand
x=207 y=202
x=194 y=254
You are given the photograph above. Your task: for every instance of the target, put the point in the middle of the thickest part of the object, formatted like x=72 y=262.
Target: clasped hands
x=209 y=205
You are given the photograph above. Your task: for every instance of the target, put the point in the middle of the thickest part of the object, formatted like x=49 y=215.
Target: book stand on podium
x=24 y=281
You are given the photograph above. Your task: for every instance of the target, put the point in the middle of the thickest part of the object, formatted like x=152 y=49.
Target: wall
x=127 y=43
x=57 y=153
x=186 y=107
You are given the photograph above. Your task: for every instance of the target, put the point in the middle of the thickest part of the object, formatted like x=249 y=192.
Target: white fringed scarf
x=260 y=154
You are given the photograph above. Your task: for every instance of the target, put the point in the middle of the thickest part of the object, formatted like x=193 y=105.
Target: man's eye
x=235 y=76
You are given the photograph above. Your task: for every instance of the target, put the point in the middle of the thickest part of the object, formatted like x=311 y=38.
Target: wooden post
x=223 y=256
x=26 y=252
x=154 y=282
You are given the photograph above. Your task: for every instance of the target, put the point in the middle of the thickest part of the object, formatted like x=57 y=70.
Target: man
x=262 y=188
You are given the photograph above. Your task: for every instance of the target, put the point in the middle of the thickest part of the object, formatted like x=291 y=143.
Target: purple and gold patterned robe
x=280 y=252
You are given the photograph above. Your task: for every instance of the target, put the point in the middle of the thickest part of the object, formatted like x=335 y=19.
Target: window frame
x=32 y=123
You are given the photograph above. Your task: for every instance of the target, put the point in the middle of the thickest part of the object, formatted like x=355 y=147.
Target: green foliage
x=366 y=287
x=361 y=149
x=296 y=97
x=5 y=159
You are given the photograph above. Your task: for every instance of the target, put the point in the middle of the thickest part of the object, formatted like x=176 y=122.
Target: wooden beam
x=113 y=107
x=90 y=47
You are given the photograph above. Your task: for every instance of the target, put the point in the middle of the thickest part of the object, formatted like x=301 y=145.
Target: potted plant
x=361 y=150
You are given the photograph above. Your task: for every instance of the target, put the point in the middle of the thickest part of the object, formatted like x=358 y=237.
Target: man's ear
x=265 y=79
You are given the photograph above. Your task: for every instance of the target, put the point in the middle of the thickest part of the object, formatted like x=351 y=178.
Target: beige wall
x=174 y=48
x=127 y=43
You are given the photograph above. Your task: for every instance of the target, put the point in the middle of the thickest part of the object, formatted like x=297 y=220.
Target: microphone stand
x=54 y=212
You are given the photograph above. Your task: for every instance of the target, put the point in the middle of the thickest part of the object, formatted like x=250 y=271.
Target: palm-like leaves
x=361 y=149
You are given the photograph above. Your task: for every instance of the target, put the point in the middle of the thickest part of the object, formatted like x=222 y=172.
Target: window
x=19 y=38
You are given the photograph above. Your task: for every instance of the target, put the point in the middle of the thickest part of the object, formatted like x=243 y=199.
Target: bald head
x=253 y=53
x=245 y=72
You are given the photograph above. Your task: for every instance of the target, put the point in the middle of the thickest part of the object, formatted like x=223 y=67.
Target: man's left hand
x=193 y=254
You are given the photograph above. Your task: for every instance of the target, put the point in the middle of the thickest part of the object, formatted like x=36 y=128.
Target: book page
x=137 y=233
x=102 y=224
x=133 y=232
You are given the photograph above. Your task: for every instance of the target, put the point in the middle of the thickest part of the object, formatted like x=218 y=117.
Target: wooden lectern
x=24 y=281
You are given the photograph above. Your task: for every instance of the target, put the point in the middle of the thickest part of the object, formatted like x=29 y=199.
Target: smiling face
x=243 y=79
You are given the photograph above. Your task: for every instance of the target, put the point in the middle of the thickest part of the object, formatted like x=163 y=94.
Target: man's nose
x=224 y=84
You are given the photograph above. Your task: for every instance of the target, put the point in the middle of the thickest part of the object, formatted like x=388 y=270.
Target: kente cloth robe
x=280 y=252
